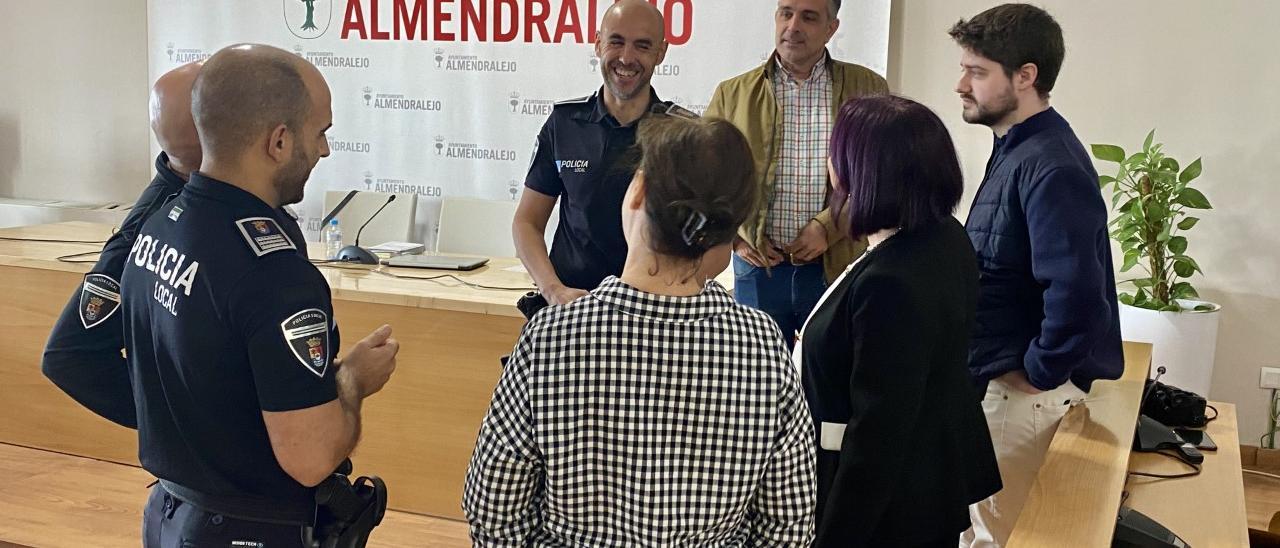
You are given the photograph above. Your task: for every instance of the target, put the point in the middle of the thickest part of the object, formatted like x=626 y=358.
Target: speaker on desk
x=1150 y=435
x=1135 y=530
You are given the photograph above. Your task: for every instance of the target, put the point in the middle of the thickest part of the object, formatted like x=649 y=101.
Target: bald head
x=262 y=113
x=631 y=42
x=639 y=12
x=171 y=119
x=247 y=90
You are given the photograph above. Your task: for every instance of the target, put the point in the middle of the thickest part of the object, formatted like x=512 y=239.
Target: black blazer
x=887 y=354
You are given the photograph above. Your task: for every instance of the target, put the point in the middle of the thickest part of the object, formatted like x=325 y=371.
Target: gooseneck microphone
x=1151 y=388
x=357 y=254
x=390 y=199
x=338 y=208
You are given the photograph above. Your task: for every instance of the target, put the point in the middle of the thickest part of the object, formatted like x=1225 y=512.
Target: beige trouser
x=1021 y=427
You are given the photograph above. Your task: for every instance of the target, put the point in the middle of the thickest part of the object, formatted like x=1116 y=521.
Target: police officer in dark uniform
x=242 y=404
x=577 y=160
x=82 y=356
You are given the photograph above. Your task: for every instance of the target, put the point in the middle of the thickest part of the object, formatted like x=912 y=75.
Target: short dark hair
x=835 y=8
x=1014 y=35
x=699 y=180
x=895 y=166
x=242 y=93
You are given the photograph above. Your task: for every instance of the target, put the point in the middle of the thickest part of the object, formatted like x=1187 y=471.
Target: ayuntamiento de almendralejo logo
x=308 y=19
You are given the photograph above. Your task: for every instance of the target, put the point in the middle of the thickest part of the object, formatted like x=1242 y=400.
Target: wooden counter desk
x=1207 y=509
x=418 y=432
x=1085 y=475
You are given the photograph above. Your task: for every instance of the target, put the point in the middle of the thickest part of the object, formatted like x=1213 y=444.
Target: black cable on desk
x=1195 y=467
x=51 y=241
x=457 y=279
x=338 y=263
x=74 y=258
x=1215 y=414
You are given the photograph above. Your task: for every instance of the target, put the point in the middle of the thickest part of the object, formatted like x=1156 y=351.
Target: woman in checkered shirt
x=656 y=411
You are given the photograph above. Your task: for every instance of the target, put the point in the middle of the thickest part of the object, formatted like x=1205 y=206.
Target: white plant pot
x=1183 y=342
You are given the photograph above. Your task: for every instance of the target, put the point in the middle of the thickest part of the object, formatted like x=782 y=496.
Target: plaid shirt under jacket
x=800 y=183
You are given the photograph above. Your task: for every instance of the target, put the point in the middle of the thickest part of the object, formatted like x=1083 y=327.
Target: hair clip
x=692 y=231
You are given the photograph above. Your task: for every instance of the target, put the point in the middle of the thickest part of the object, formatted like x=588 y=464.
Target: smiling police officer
x=577 y=161
x=242 y=406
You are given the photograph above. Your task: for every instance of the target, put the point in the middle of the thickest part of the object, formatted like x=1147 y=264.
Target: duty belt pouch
x=346 y=513
x=530 y=303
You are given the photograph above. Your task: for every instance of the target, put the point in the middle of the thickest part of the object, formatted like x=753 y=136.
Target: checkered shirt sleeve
x=777 y=516
x=504 y=480
x=631 y=419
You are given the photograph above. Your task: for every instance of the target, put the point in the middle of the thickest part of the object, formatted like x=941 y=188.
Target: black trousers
x=169 y=522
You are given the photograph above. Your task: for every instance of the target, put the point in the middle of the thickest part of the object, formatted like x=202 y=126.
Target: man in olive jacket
x=788 y=250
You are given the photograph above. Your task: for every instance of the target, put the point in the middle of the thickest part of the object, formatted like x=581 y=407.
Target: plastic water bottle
x=332 y=238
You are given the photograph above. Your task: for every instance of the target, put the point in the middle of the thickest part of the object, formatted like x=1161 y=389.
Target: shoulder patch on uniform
x=576 y=100
x=307 y=334
x=99 y=299
x=263 y=235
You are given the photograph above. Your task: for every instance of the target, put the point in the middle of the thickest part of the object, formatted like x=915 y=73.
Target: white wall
x=1204 y=75
x=73 y=123
x=73 y=99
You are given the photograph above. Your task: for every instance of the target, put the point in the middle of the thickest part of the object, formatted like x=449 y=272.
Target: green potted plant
x=1154 y=201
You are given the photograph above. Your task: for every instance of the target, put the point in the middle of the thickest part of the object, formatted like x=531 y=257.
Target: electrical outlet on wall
x=1270 y=378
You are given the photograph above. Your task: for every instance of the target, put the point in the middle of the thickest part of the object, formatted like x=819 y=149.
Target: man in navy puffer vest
x=1047 y=320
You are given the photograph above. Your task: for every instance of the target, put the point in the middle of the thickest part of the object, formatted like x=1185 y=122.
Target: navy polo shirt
x=582 y=157
x=82 y=356
x=223 y=319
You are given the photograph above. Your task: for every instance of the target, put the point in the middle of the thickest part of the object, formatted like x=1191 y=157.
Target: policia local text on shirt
x=242 y=404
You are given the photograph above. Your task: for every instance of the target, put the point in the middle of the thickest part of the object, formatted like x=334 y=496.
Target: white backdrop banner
x=445 y=97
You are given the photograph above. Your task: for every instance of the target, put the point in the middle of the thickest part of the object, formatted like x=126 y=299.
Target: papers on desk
x=397 y=248
x=518 y=269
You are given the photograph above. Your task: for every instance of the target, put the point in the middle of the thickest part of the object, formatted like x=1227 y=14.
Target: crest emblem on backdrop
x=308 y=19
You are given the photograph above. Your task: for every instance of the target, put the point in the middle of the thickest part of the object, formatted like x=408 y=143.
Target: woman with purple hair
x=903 y=445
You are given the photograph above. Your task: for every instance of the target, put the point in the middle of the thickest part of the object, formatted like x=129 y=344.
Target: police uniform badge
x=99 y=299
x=307 y=334
x=263 y=235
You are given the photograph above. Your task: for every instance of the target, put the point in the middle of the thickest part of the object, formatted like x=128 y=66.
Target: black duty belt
x=248 y=508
